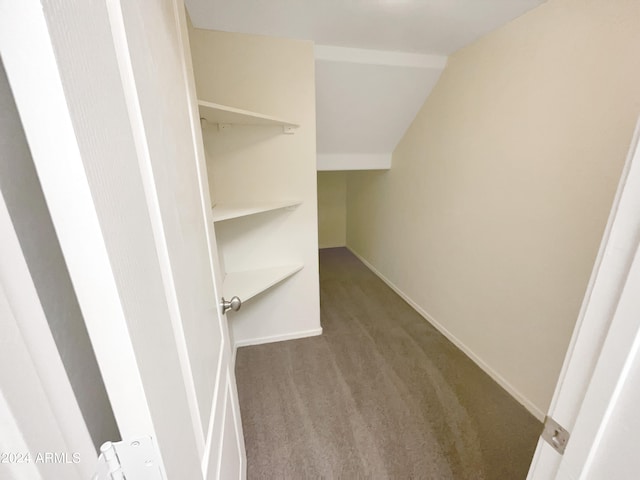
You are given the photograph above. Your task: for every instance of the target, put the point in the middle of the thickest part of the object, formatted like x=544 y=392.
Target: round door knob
x=234 y=304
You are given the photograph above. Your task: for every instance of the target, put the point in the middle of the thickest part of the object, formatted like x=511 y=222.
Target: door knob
x=234 y=304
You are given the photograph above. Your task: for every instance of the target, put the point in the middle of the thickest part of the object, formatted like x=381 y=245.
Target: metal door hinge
x=136 y=459
x=555 y=435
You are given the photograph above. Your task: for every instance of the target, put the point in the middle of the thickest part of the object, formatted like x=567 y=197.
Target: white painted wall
x=23 y=196
x=490 y=218
x=332 y=209
x=274 y=77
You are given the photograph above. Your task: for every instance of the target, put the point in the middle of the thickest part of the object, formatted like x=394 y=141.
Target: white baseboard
x=515 y=393
x=323 y=247
x=271 y=339
x=278 y=338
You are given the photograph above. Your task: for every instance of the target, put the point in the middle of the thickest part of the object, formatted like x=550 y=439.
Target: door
x=153 y=54
x=598 y=382
x=106 y=94
x=152 y=47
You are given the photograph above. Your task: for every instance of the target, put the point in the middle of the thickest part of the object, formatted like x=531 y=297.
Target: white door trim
x=51 y=420
x=32 y=70
x=611 y=375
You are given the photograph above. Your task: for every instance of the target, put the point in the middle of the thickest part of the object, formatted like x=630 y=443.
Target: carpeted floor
x=380 y=395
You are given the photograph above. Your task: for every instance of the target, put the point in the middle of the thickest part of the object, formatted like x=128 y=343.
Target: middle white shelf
x=227 y=211
x=250 y=283
x=224 y=114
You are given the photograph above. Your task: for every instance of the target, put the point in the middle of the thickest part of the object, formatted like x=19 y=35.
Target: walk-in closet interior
x=462 y=194
x=299 y=239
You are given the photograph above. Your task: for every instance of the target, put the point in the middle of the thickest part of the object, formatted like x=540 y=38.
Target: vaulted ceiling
x=365 y=100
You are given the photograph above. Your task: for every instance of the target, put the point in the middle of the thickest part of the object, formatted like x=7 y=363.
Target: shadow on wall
x=332 y=209
x=30 y=216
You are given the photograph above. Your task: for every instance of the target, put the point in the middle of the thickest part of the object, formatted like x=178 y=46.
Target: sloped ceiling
x=365 y=99
x=419 y=26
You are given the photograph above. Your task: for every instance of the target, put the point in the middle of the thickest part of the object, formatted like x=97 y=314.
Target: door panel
x=172 y=158
x=168 y=154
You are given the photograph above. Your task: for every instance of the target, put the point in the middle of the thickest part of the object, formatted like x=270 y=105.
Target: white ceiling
x=420 y=26
x=376 y=60
x=364 y=104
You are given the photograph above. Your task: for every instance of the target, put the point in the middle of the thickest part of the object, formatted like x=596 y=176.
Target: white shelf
x=247 y=285
x=228 y=211
x=224 y=115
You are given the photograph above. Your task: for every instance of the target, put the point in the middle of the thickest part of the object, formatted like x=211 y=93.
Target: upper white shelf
x=228 y=211
x=248 y=284
x=224 y=115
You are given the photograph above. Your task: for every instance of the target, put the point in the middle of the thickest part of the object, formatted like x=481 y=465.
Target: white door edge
x=613 y=262
x=137 y=127
x=618 y=356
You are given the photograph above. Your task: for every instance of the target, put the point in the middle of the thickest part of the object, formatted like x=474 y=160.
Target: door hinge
x=136 y=459
x=555 y=435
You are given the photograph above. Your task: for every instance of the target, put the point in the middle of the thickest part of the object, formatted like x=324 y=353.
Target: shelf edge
x=246 y=210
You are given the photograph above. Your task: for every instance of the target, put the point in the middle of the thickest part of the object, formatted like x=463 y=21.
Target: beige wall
x=332 y=209
x=492 y=213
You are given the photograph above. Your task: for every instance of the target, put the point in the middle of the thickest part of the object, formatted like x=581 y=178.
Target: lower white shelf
x=250 y=283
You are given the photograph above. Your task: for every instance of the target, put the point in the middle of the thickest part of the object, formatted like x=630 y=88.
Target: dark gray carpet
x=381 y=395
